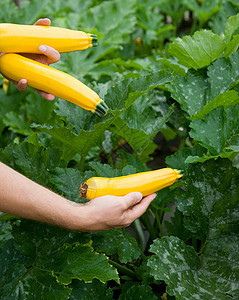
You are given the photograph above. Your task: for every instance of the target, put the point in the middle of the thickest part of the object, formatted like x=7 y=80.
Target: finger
x=52 y=54
x=45 y=95
x=22 y=85
x=43 y=22
x=137 y=210
x=131 y=199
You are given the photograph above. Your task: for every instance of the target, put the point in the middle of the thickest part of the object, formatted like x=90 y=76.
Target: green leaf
x=112 y=35
x=9 y=103
x=174 y=66
x=5 y=230
x=208 y=197
x=132 y=291
x=226 y=99
x=118 y=98
x=31 y=11
x=100 y=17
x=116 y=241
x=232 y=46
x=17 y=123
x=104 y=170
x=179 y=266
x=25 y=284
x=141 y=122
x=33 y=161
x=19 y=282
x=223 y=75
x=141 y=142
x=95 y=290
x=67 y=181
x=79 y=262
x=231 y=27
x=190 y=91
x=178 y=159
x=164 y=197
x=176 y=227
x=9 y=12
x=38 y=239
x=233 y=143
x=209 y=203
x=150 y=19
x=40 y=282
x=38 y=109
x=219 y=20
x=175 y=9
x=195 y=92
x=199 y=50
x=67 y=255
x=223 y=125
x=203 y=10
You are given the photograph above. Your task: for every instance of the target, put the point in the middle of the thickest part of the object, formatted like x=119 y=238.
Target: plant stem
x=194 y=243
x=122 y=269
x=182 y=143
x=140 y=234
x=149 y=226
x=202 y=247
x=193 y=27
x=158 y=220
x=82 y=164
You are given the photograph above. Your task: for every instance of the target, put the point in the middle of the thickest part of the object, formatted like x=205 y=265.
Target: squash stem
x=122 y=269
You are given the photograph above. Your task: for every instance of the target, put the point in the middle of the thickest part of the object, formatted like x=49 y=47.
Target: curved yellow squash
x=145 y=183
x=28 y=38
x=53 y=81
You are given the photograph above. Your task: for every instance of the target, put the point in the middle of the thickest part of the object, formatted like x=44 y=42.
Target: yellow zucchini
x=53 y=81
x=144 y=182
x=28 y=38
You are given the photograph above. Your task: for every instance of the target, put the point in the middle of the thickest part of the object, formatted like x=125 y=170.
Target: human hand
x=110 y=212
x=49 y=56
x=23 y=197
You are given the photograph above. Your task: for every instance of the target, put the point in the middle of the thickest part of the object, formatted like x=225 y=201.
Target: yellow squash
x=5 y=85
x=28 y=38
x=145 y=183
x=53 y=81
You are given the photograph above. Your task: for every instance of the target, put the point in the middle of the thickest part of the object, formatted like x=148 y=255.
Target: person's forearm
x=22 y=197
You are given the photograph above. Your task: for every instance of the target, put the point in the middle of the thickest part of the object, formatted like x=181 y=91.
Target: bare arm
x=22 y=197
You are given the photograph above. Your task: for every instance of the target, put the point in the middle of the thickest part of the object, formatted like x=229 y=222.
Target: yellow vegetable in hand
x=28 y=38
x=52 y=81
x=145 y=183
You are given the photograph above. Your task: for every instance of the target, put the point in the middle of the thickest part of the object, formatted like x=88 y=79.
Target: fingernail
x=139 y=196
x=23 y=81
x=42 y=48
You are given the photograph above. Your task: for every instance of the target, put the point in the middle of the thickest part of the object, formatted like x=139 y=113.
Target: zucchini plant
x=170 y=81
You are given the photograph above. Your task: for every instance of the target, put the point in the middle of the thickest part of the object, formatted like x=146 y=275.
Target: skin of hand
x=22 y=197
x=49 y=56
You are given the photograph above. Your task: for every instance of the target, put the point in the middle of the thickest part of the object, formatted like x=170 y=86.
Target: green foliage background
x=164 y=68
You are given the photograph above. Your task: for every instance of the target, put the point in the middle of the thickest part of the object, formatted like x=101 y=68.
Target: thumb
x=132 y=198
